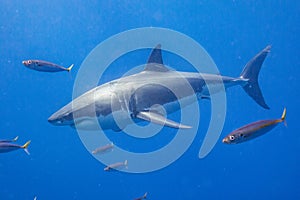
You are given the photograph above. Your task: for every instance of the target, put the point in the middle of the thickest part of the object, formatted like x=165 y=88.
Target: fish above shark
x=133 y=98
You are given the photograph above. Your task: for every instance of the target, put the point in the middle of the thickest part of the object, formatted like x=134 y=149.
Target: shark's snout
x=55 y=120
x=52 y=120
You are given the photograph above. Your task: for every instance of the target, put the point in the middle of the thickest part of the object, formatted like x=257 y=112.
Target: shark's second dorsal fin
x=155 y=62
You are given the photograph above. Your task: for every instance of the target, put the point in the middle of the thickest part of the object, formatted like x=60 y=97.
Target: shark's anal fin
x=160 y=119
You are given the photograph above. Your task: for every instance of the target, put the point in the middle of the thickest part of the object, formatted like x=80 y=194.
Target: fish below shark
x=132 y=99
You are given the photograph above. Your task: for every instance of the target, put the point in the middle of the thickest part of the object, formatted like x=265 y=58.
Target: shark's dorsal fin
x=155 y=62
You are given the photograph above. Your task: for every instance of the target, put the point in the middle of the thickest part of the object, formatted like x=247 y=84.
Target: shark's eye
x=231 y=137
x=29 y=62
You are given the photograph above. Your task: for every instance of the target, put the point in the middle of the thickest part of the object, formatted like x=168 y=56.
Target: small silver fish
x=253 y=130
x=116 y=165
x=8 y=140
x=7 y=147
x=103 y=149
x=45 y=66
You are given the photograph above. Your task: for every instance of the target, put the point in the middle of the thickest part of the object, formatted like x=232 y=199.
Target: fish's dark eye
x=231 y=137
x=29 y=62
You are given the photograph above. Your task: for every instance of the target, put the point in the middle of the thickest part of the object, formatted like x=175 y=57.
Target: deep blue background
x=65 y=32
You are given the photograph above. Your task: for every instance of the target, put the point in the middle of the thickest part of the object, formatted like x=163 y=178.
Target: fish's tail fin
x=250 y=72
x=15 y=139
x=283 y=117
x=25 y=147
x=70 y=68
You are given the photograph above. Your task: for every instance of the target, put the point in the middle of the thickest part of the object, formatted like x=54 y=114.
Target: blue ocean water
x=64 y=32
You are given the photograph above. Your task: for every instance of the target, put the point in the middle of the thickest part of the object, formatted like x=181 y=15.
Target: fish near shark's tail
x=250 y=72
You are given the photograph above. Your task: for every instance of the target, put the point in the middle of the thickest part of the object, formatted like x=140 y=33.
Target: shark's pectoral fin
x=159 y=119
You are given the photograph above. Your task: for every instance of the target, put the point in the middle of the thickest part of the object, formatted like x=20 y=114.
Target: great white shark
x=134 y=98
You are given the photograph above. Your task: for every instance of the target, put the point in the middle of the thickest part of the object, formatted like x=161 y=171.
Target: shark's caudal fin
x=251 y=72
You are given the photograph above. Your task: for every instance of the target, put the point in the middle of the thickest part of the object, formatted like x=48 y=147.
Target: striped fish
x=45 y=66
x=253 y=130
x=7 y=147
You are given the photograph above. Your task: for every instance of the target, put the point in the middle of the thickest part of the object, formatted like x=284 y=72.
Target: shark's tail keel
x=251 y=72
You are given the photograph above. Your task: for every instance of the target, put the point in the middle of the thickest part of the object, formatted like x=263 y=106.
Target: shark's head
x=62 y=117
x=84 y=111
x=83 y=119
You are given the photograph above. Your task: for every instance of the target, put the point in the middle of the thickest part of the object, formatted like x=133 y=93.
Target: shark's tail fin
x=251 y=72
